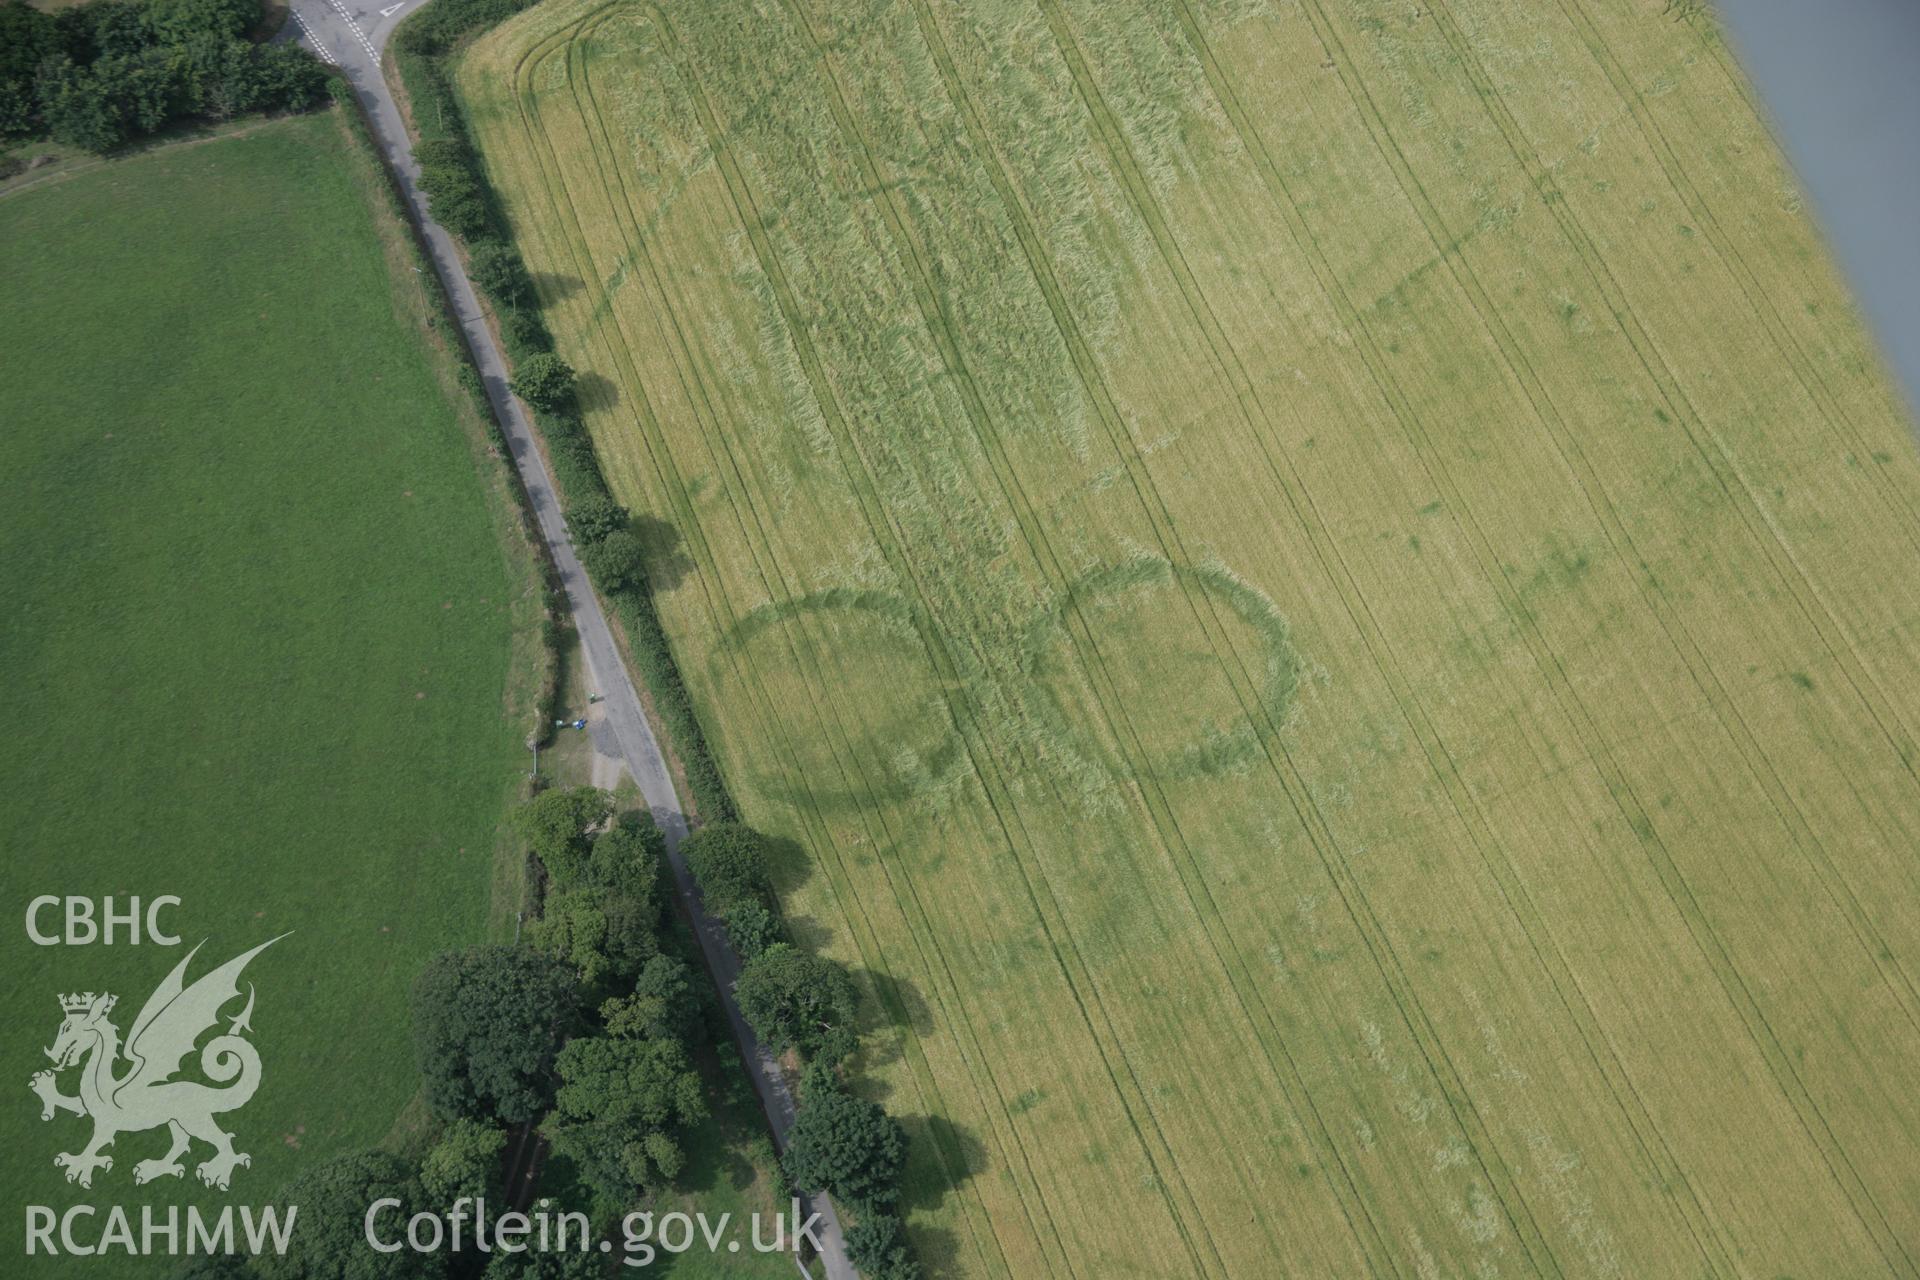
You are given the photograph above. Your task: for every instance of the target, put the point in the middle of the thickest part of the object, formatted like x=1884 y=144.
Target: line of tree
x=853 y=1149
x=588 y=1028
x=612 y=552
x=329 y=1243
x=100 y=75
x=794 y=1000
x=625 y=1089
x=460 y=198
x=807 y=1004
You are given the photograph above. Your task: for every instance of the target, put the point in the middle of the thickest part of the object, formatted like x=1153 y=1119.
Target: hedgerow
x=808 y=1000
x=456 y=183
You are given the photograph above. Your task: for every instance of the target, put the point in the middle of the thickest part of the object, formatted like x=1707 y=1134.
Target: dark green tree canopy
x=846 y=1146
x=525 y=331
x=544 y=381
x=106 y=30
x=101 y=74
x=793 y=999
x=594 y=517
x=877 y=1246
x=487 y=1023
x=751 y=928
x=729 y=859
x=663 y=1005
x=464 y=1162
x=28 y=37
x=605 y=936
x=604 y=917
x=555 y=825
x=451 y=180
x=547 y=1264
x=178 y=21
x=627 y=857
x=616 y=562
x=329 y=1241
x=497 y=268
x=621 y=1108
x=210 y=1266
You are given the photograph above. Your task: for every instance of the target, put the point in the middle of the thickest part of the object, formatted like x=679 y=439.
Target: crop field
x=1329 y=589
x=260 y=630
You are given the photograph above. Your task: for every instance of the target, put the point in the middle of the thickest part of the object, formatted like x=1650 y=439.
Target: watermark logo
x=468 y=1224
x=143 y=1094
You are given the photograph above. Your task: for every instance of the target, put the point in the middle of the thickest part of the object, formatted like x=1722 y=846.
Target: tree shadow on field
x=808 y=933
x=938 y=1250
x=593 y=393
x=551 y=287
x=789 y=867
x=900 y=1004
x=884 y=1023
x=787 y=860
x=668 y=565
x=953 y=1157
x=942 y=1157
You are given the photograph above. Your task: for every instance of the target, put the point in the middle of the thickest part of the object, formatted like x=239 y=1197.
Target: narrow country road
x=349 y=34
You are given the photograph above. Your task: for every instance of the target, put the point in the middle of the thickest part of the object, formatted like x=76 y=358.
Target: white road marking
x=319 y=49
x=358 y=34
x=392 y=9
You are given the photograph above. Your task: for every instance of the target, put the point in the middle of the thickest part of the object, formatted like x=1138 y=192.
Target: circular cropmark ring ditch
x=915 y=748
x=1218 y=748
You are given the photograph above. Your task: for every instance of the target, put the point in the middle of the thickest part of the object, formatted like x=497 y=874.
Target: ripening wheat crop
x=1328 y=587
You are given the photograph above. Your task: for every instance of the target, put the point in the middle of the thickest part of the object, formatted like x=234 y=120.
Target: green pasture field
x=269 y=638
x=1329 y=590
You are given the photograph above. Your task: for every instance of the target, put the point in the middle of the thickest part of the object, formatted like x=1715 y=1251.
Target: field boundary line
x=773 y=729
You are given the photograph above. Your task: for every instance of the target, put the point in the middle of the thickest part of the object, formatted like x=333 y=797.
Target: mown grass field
x=260 y=630
x=1329 y=588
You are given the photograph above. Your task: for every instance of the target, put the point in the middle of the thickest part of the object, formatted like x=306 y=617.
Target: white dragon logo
x=146 y=1096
